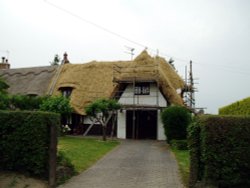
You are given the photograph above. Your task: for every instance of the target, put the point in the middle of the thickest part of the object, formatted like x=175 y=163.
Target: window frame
x=142 y=88
x=66 y=91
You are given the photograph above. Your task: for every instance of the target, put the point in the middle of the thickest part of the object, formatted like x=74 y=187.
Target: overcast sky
x=214 y=34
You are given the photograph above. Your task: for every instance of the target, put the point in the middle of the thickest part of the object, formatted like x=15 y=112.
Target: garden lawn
x=183 y=159
x=83 y=152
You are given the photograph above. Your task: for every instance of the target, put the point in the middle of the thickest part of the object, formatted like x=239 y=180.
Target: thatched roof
x=94 y=80
x=29 y=81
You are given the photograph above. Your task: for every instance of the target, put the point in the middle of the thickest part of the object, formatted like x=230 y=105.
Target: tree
x=56 y=60
x=101 y=111
x=57 y=104
x=171 y=62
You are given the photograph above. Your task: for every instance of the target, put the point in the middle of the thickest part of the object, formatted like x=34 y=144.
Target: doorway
x=141 y=124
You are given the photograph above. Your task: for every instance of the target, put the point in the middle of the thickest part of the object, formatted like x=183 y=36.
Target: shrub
x=3 y=86
x=238 y=108
x=175 y=120
x=25 y=141
x=57 y=104
x=4 y=101
x=24 y=102
x=220 y=150
x=65 y=168
x=179 y=144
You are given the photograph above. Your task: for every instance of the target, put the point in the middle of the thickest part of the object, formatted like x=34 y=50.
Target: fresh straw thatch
x=94 y=80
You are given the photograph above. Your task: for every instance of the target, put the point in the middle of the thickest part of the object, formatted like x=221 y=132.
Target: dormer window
x=32 y=95
x=142 y=89
x=66 y=91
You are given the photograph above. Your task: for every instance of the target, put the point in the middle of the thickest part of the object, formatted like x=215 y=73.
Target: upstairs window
x=142 y=89
x=66 y=91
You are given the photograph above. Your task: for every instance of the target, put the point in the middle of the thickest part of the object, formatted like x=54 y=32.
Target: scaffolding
x=190 y=90
x=134 y=75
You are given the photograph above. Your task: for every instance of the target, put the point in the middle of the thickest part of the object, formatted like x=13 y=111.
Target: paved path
x=133 y=164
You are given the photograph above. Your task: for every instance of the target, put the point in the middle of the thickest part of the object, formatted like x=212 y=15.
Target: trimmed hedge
x=220 y=151
x=238 y=108
x=175 y=120
x=25 y=139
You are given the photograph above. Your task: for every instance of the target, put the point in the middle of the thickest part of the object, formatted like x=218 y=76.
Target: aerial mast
x=130 y=51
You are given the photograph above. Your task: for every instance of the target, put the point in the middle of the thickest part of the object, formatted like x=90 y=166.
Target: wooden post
x=104 y=129
x=86 y=132
x=52 y=156
x=113 y=124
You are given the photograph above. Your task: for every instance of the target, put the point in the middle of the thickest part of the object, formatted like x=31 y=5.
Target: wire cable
x=224 y=67
x=94 y=24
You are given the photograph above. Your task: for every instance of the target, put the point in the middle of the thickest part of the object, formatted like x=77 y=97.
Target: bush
x=24 y=102
x=179 y=144
x=4 y=101
x=238 y=108
x=57 y=104
x=25 y=139
x=65 y=168
x=175 y=120
x=220 y=151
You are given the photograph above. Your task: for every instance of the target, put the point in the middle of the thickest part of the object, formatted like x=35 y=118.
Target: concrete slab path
x=133 y=164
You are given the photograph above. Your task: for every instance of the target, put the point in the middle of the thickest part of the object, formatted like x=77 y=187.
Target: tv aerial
x=130 y=51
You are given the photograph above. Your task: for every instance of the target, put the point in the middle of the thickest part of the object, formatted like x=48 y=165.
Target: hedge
x=175 y=120
x=238 y=108
x=220 y=151
x=25 y=139
x=179 y=144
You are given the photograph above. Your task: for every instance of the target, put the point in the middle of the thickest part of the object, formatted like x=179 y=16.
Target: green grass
x=84 y=152
x=183 y=159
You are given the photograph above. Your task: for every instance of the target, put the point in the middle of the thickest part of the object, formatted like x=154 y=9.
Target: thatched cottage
x=143 y=86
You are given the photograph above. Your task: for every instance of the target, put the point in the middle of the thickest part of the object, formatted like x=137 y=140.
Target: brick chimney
x=65 y=58
x=4 y=64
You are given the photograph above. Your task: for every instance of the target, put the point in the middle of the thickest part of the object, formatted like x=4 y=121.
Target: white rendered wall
x=121 y=124
x=87 y=120
x=160 y=129
x=151 y=99
x=127 y=99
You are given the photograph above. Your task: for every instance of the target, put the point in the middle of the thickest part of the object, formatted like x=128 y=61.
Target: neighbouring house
x=143 y=86
x=32 y=81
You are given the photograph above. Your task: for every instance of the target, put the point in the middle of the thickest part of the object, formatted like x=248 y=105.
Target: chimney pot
x=65 y=58
x=4 y=64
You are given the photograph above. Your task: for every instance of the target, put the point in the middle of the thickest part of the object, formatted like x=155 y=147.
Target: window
x=142 y=89
x=66 y=91
x=32 y=95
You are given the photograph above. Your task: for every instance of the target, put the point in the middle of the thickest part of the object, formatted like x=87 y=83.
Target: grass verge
x=183 y=159
x=84 y=152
